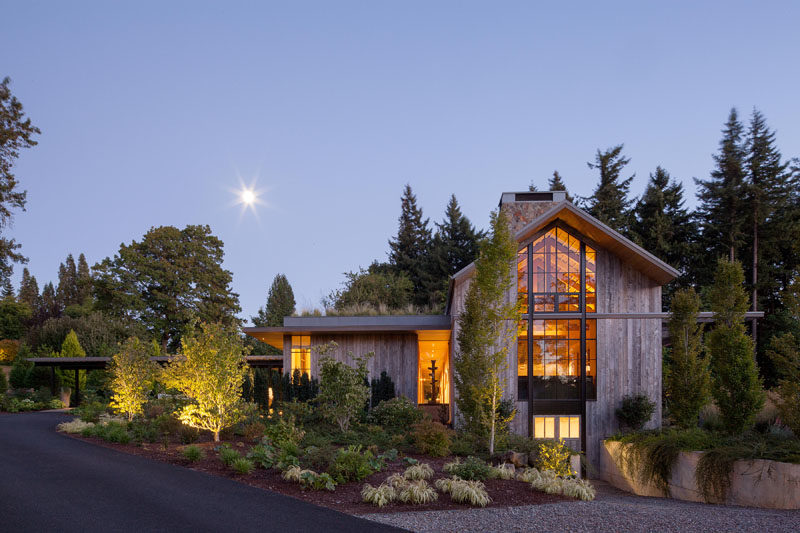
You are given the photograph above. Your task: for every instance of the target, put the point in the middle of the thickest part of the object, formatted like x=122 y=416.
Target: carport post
x=77 y=388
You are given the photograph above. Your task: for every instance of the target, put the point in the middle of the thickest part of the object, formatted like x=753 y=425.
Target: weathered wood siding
x=628 y=350
x=395 y=353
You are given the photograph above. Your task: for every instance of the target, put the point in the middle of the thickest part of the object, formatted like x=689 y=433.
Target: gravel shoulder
x=612 y=510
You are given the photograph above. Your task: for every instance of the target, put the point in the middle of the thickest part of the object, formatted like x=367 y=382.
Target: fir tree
x=84 y=280
x=454 y=246
x=67 y=290
x=689 y=379
x=557 y=184
x=409 y=250
x=28 y=290
x=664 y=227
x=48 y=306
x=721 y=213
x=71 y=347
x=736 y=387
x=280 y=303
x=532 y=187
x=609 y=202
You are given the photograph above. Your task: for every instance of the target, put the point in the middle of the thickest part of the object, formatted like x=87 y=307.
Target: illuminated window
x=556 y=427
x=569 y=427
x=522 y=279
x=556 y=359
x=433 y=372
x=544 y=427
x=301 y=354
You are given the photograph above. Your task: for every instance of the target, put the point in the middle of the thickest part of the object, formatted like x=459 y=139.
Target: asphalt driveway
x=51 y=482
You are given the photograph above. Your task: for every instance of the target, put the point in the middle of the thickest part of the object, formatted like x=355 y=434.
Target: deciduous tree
x=132 y=374
x=343 y=389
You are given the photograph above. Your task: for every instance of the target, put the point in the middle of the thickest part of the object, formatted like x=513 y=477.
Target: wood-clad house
x=589 y=334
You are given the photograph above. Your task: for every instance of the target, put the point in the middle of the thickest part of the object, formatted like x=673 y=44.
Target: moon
x=248 y=197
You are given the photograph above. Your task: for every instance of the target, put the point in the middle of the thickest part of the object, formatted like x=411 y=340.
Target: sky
x=155 y=113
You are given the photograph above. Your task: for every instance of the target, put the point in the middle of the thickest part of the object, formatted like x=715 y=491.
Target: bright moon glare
x=248 y=196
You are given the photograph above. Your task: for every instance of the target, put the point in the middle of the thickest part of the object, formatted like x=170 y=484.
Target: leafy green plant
x=262 y=455
x=381 y=495
x=342 y=392
x=417 y=493
x=636 y=411
x=463 y=491
x=431 y=438
x=284 y=433
x=554 y=455
x=193 y=453
x=112 y=431
x=397 y=415
x=228 y=455
x=311 y=480
x=90 y=411
x=242 y=465
x=471 y=469
x=419 y=471
x=350 y=464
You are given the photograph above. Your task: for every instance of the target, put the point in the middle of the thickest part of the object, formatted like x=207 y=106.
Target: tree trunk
x=216 y=436
x=755 y=272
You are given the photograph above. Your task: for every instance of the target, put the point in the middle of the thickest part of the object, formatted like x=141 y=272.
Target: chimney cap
x=533 y=196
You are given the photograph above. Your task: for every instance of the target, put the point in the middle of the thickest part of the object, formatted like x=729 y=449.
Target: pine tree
x=28 y=290
x=454 y=246
x=67 y=290
x=8 y=289
x=409 y=250
x=557 y=184
x=280 y=303
x=721 y=212
x=48 y=304
x=736 y=387
x=487 y=326
x=84 y=280
x=609 y=202
x=664 y=227
x=689 y=379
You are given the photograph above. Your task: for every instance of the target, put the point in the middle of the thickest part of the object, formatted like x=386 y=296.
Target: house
x=590 y=331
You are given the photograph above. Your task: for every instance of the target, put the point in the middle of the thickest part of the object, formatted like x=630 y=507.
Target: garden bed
x=347 y=496
x=753 y=483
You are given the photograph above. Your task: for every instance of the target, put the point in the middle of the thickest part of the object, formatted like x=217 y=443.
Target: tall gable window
x=301 y=354
x=556 y=273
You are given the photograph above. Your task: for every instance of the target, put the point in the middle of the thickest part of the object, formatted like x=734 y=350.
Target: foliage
x=76 y=425
x=283 y=433
x=14 y=316
x=554 y=455
x=210 y=374
x=242 y=465
x=228 y=455
x=351 y=464
x=8 y=351
x=382 y=389
x=294 y=387
x=342 y=390
x=609 y=202
x=186 y=267
x=785 y=353
x=486 y=329
x=431 y=438
x=3 y=384
x=262 y=455
x=547 y=481
x=688 y=381
x=503 y=471
x=408 y=251
x=99 y=333
x=417 y=493
x=636 y=411
x=397 y=415
x=311 y=480
x=133 y=375
x=280 y=303
x=471 y=468
x=379 y=285
x=16 y=133
x=90 y=411
x=418 y=471
x=736 y=387
x=193 y=453
x=111 y=431
x=464 y=491
x=381 y=495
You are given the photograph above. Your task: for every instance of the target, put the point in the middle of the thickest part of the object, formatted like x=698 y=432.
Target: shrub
x=554 y=455
x=320 y=458
x=228 y=455
x=90 y=411
x=292 y=473
x=635 y=411
x=311 y=480
x=431 y=438
x=143 y=431
x=76 y=425
x=463 y=491
x=382 y=389
x=784 y=352
x=262 y=455
x=548 y=482
x=110 y=431
x=503 y=471
x=242 y=465
x=3 y=383
x=283 y=433
x=253 y=431
x=342 y=392
x=193 y=453
x=419 y=471
x=286 y=459
x=381 y=495
x=188 y=434
x=417 y=492
x=397 y=414
x=471 y=469
x=528 y=475
x=352 y=465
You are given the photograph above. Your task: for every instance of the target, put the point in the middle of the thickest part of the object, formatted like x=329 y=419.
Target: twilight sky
x=153 y=112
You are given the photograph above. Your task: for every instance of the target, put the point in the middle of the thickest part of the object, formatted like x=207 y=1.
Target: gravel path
x=612 y=510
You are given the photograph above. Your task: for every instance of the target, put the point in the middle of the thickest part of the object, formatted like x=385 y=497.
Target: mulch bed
x=347 y=497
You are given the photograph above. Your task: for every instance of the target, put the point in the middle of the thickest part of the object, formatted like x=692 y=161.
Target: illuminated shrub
x=554 y=455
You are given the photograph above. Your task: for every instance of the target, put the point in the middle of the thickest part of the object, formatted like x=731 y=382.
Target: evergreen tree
x=28 y=290
x=736 y=387
x=557 y=184
x=280 y=303
x=8 y=289
x=609 y=202
x=689 y=379
x=664 y=227
x=379 y=286
x=84 y=277
x=487 y=326
x=48 y=306
x=454 y=246
x=721 y=212
x=71 y=347
x=67 y=289
x=16 y=133
x=532 y=187
x=409 y=250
